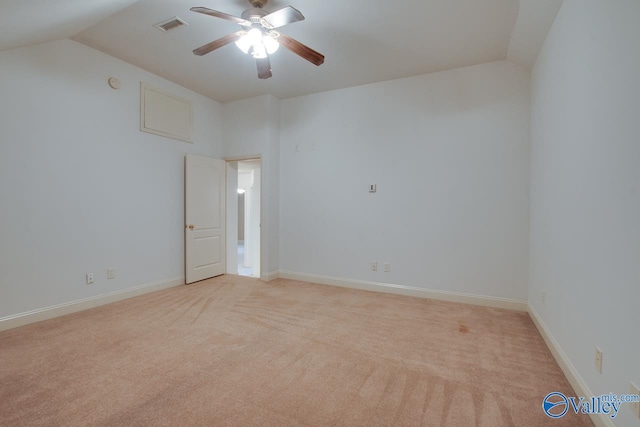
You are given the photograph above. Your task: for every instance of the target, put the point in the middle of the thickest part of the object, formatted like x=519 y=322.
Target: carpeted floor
x=234 y=351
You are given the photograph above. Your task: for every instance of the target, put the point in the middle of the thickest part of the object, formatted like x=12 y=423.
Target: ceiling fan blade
x=284 y=16
x=209 y=47
x=301 y=50
x=264 y=68
x=215 y=13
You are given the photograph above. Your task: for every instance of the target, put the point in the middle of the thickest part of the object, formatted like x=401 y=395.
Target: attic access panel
x=164 y=114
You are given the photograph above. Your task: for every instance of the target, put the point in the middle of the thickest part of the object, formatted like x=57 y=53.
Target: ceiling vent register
x=170 y=25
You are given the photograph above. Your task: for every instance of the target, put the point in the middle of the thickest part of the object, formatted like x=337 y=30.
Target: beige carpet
x=234 y=351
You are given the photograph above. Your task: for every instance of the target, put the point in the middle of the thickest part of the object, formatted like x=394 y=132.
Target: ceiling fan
x=258 y=35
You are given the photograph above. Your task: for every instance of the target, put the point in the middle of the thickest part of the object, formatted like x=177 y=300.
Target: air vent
x=170 y=24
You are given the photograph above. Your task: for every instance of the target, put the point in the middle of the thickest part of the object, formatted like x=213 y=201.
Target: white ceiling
x=27 y=22
x=535 y=18
x=363 y=41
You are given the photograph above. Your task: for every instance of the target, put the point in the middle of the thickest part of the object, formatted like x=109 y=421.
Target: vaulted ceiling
x=363 y=41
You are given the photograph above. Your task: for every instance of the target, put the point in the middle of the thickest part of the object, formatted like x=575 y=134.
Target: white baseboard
x=495 y=302
x=576 y=381
x=273 y=275
x=13 y=321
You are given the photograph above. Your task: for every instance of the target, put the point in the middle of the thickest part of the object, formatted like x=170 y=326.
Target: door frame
x=232 y=194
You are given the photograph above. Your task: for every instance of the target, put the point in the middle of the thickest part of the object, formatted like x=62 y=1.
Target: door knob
x=191 y=226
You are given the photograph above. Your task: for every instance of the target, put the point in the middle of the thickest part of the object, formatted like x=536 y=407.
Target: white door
x=204 y=215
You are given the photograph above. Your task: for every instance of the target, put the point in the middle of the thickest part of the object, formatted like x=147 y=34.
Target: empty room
x=313 y=213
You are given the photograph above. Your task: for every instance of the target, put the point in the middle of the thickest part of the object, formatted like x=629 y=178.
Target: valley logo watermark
x=556 y=404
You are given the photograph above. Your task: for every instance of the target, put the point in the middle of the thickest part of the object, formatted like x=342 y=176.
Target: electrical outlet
x=387 y=267
x=374 y=266
x=598 y=360
x=90 y=279
x=111 y=273
x=635 y=406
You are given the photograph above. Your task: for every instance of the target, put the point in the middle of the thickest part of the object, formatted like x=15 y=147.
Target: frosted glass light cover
x=259 y=51
x=254 y=36
x=244 y=43
x=270 y=43
x=258 y=44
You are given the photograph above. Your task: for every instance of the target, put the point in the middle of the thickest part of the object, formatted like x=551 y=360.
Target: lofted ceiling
x=363 y=41
x=27 y=22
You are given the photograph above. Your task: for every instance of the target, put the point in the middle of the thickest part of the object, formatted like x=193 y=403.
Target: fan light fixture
x=260 y=44
x=258 y=35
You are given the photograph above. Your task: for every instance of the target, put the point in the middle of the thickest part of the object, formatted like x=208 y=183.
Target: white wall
x=81 y=188
x=250 y=128
x=585 y=190
x=449 y=153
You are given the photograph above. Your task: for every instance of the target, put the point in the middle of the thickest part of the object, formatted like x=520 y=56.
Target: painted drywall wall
x=241 y=216
x=449 y=153
x=585 y=190
x=81 y=188
x=250 y=128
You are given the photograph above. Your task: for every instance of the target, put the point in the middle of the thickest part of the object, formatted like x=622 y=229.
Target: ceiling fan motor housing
x=253 y=15
x=258 y=4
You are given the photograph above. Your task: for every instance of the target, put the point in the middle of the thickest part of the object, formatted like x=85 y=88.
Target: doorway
x=204 y=217
x=244 y=179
